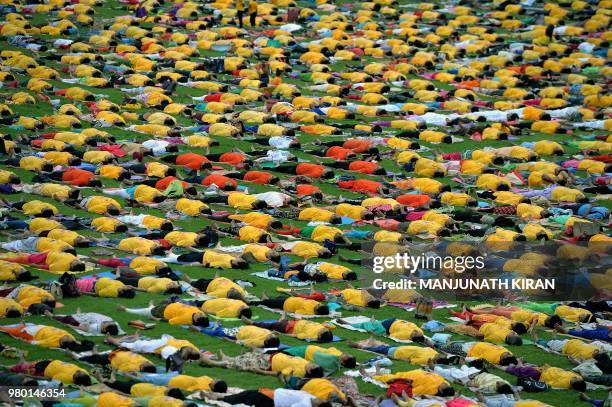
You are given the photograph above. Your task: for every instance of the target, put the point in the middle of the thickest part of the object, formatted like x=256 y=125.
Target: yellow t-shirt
x=289 y=365
x=191 y=383
x=224 y=307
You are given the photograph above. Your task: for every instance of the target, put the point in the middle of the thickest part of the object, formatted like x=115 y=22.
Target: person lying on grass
x=297 y=305
x=271 y=365
x=299 y=328
x=91 y=322
x=66 y=373
x=176 y=313
x=46 y=336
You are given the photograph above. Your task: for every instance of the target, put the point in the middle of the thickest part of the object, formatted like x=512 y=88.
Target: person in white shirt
x=90 y=322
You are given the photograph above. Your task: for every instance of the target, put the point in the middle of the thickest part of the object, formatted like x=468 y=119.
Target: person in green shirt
x=329 y=359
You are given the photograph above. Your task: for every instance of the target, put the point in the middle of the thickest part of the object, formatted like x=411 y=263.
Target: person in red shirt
x=72 y=176
x=363 y=167
x=260 y=177
x=305 y=169
x=233 y=158
x=414 y=200
x=335 y=152
x=364 y=186
x=192 y=161
x=220 y=180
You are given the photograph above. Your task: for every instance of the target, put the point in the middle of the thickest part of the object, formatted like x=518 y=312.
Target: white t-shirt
x=273 y=199
x=292 y=398
x=91 y=321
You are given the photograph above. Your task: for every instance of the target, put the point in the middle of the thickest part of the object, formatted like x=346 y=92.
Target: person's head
x=189 y=353
x=218 y=386
x=174 y=288
x=601 y=357
x=445 y=390
x=578 y=384
x=25 y=275
x=519 y=328
x=552 y=321
x=126 y=292
x=514 y=339
x=112 y=210
x=587 y=318
x=374 y=304
x=504 y=388
x=325 y=336
x=234 y=294
x=200 y=319
x=321 y=309
x=81 y=378
x=147 y=367
x=313 y=370
x=245 y=312
x=239 y=263
x=175 y=393
x=158 y=198
x=77 y=265
x=109 y=328
x=324 y=253
x=348 y=361
x=259 y=204
x=507 y=359
x=13 y=312
x=271 y=341
x=417 y=337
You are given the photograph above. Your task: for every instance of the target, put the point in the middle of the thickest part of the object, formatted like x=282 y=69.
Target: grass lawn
x=113 y=8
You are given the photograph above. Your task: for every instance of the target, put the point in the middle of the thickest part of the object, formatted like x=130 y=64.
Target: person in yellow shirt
x=66 y=373
x=296 y=305
x=416 y=355
x=9 y=308
x=176 y=313
x=200 y=383
x=220 y=287
x=261 y=363
x=423 y=382
x=226 y=308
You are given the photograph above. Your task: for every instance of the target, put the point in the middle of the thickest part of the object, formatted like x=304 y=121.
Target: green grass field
x=245 y=380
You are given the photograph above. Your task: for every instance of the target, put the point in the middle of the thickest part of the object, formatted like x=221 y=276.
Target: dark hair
x=519 y=328
x=325 y=336
x=126 y=293
x=579 y=385
x=322 y=310
x=351 y=275
x=111 y=329
x=601 y=357
x=552 y=321
x=13 y=313
x=175 y=393
x=25 y=276
x=272 y=342
x=81 y=379
x=148 y=369
x=446 y=392
x=418 y=339
x=374 y=304
x=201 y=321
x=315 y=372
x=508 y=360
x=80 y=266
x=245 y=312
x=350 y=362
x=505 y=389
x=219 y=386
x=79 y=347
